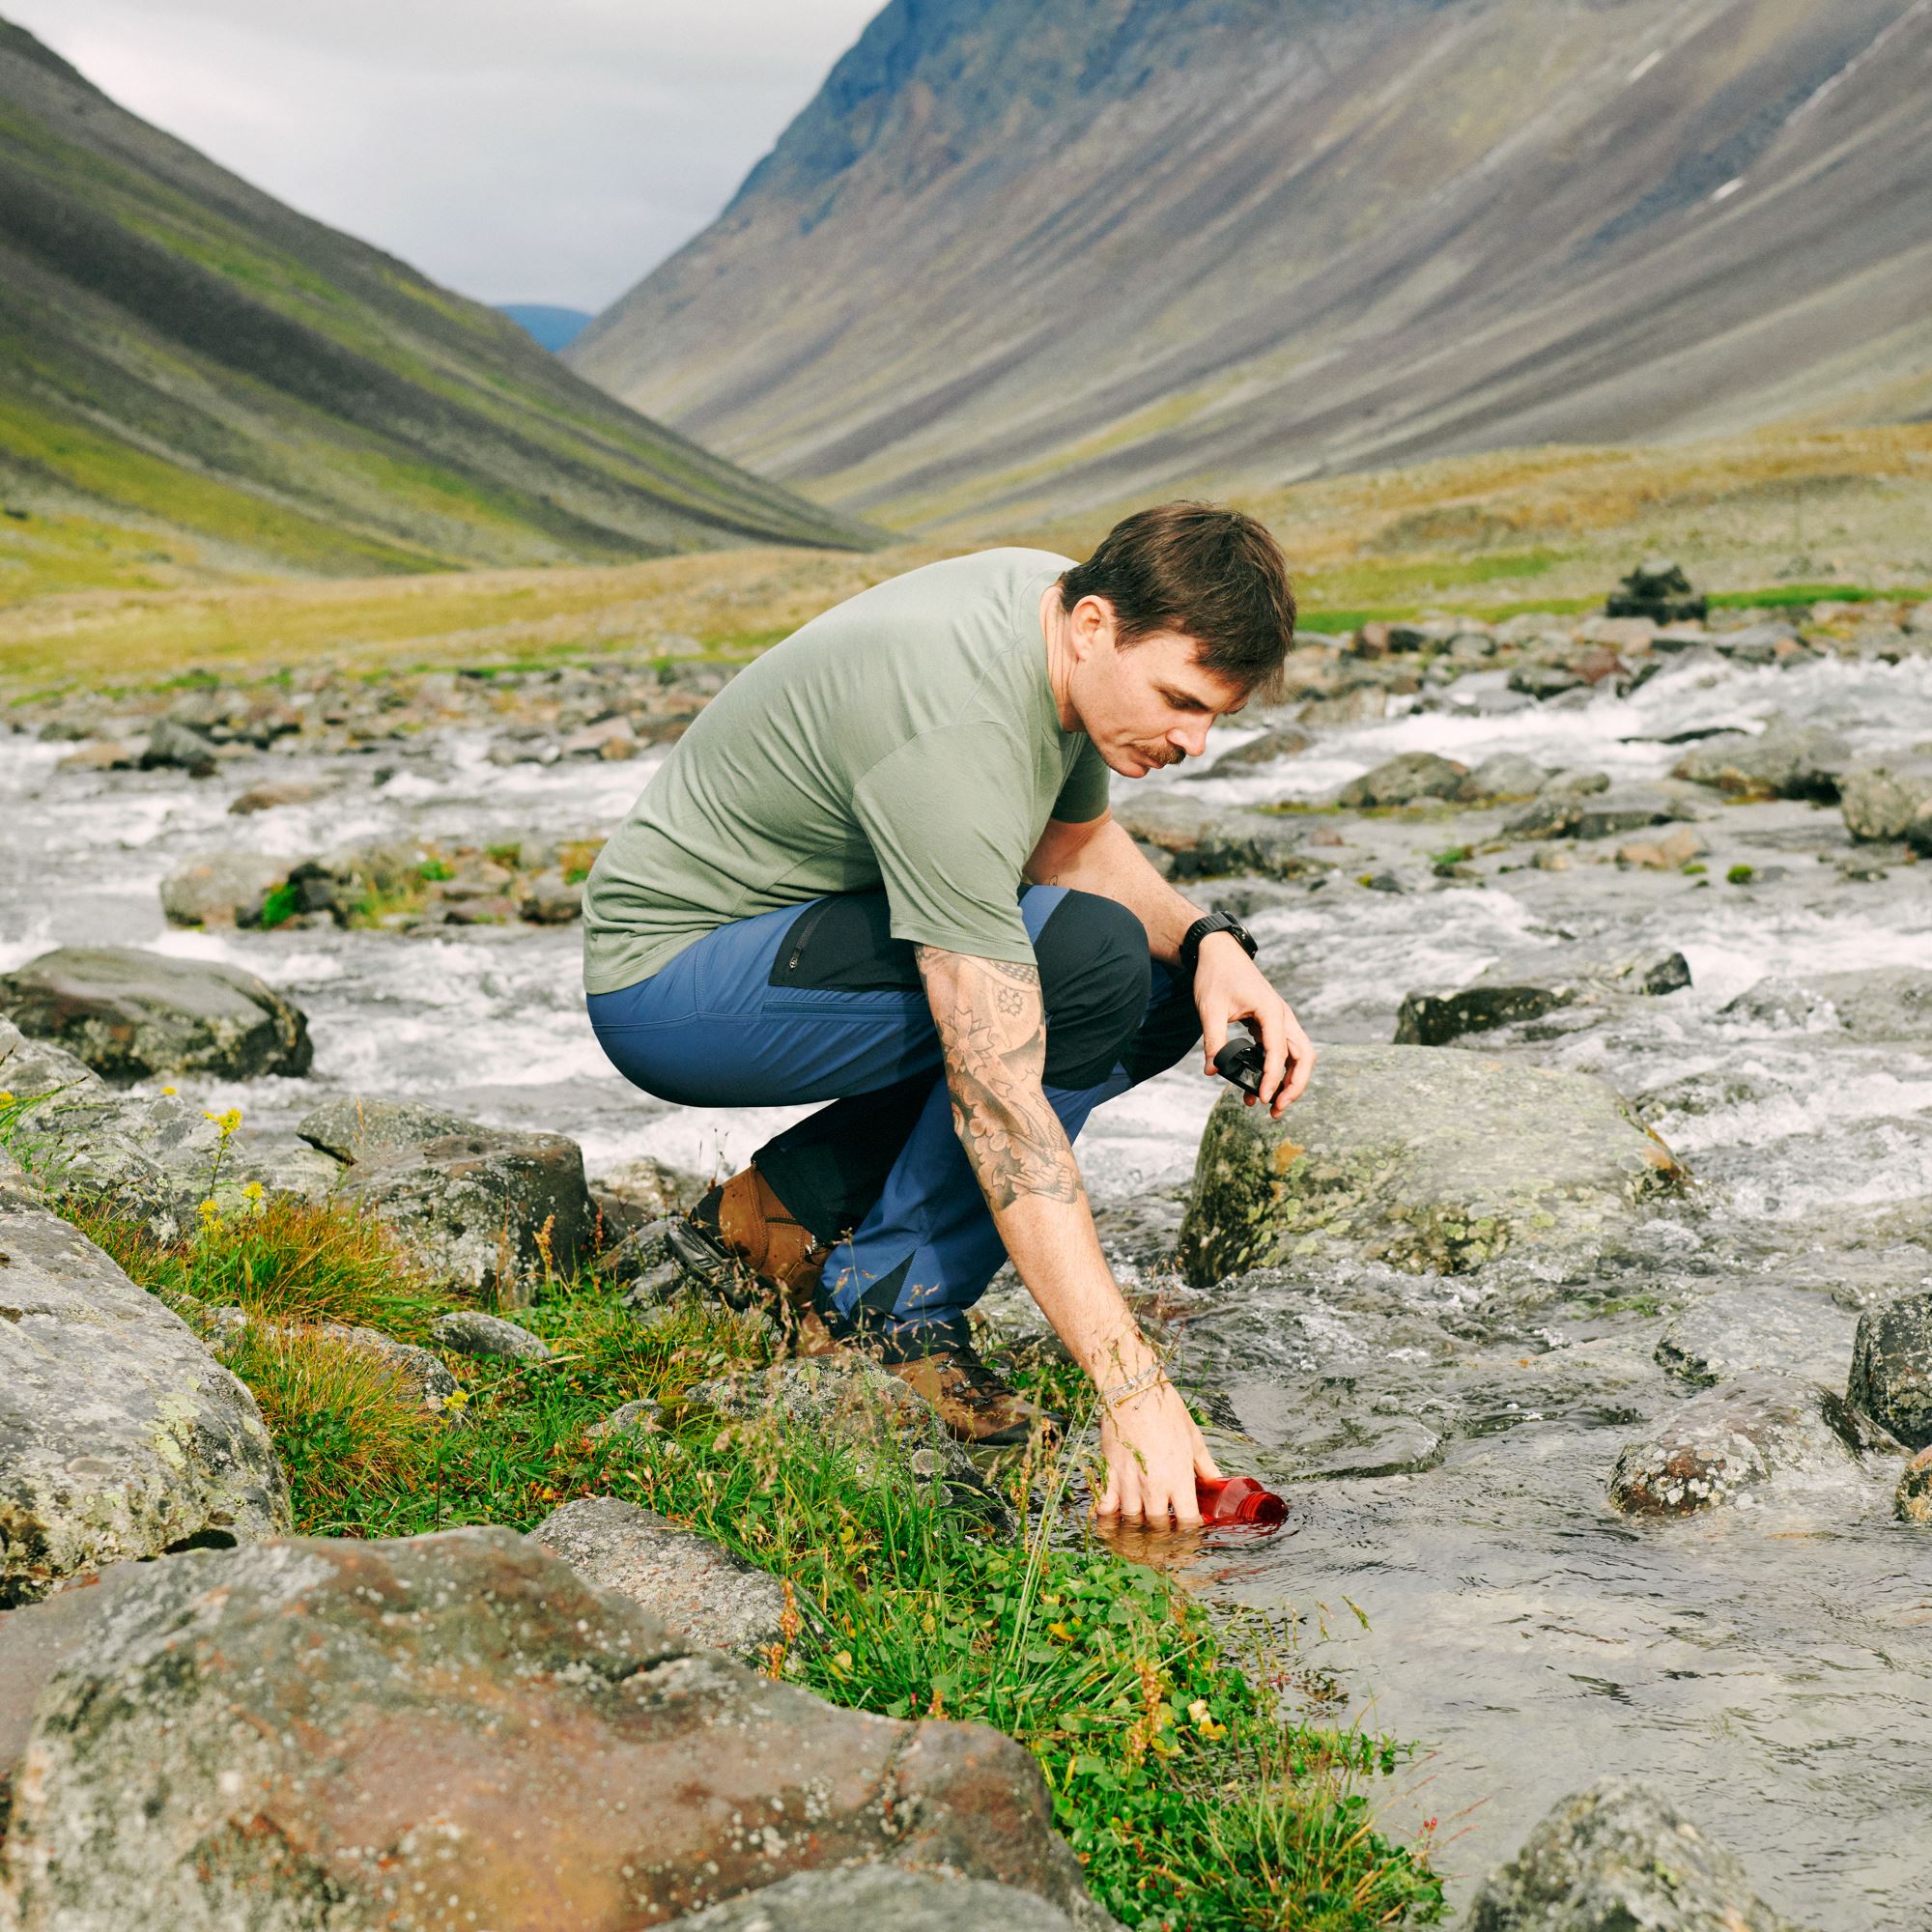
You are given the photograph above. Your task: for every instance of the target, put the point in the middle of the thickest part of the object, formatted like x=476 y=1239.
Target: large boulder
x=698 y=1590
x=1892 y=1367
x=134 y=1015
x=223 y=889
x=1434 y=1162
x=1879 y=802
x=1912 y=1501
x=1784 y=760
x=1732 y=1444
x=1620 y=1857
x=304 y=1733
x=120 y=1434
x=490 y=1210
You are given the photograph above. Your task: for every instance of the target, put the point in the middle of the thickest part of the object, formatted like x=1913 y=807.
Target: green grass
x=1189 y=1800
x=1740 y=875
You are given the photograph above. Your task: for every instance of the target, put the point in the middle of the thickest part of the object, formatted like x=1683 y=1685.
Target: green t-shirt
x=907 y=738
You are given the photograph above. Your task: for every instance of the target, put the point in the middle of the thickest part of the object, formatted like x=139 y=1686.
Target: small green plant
x=1740 y=875
x=280 y=906
x=1695 y=870
x=432 y=871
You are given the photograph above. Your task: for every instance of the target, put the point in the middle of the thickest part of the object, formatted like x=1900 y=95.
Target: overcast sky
x=518 y=150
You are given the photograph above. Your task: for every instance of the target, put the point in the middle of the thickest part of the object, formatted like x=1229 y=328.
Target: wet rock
x=1506 y=996
x=551 y=899
x=120 y=1434
x=1166 y=820
x=1617 y=811
x=643 y=1417
x=1426 y=1019
x=1880 y=1003
x=272 y=797
x=1508 y=775
x=1434 y=1162
x=1912 y=1502
x=223 y=889
x=485 y=1208
x=131 y=1015
x=105 y=755
x=1879 y=802
x=1784 y=760
x=704 y=1595
x=1892 y=1367
x=1403 y=779
x=882 y=1896
x=171 y=743
x=1730 y=1444
x=1285 y=741
x=501 y=1738
x=1673 y=849
x=1541 y=681
x=468 y=1332
x=1249 y=843
x=1739 y=1331
x=1620 y=1857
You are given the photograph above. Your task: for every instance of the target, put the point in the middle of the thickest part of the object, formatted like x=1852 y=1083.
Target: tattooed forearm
x=993 y=1030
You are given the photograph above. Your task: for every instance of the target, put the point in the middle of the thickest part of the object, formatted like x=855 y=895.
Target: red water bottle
x=1238 y=1499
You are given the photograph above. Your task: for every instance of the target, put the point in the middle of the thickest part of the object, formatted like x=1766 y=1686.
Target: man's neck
x=1056 y=630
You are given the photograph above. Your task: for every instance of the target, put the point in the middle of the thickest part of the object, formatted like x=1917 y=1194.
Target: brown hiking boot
x=741 y=1245
x=975 y=1404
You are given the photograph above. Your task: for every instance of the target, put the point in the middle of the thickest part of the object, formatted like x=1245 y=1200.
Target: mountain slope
x=1023 y=256
x=190 y=371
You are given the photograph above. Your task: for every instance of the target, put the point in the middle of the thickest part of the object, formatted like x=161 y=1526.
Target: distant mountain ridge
x=185 y=363
x=1019 y=257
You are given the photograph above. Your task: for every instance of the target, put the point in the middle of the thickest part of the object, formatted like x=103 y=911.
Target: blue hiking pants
x=818 y=1002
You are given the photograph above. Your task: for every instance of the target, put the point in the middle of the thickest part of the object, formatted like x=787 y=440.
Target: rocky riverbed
x=1677 y=862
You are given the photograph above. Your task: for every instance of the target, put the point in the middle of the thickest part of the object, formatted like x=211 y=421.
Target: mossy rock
x=1434 y=1162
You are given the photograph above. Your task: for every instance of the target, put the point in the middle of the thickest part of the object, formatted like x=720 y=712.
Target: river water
x=1454 y=1575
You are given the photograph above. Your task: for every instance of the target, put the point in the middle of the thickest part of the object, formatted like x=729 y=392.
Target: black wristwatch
x=1213 y=922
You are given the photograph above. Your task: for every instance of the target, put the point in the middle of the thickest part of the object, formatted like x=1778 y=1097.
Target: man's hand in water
x=1228 y=987
x=1155 y=1452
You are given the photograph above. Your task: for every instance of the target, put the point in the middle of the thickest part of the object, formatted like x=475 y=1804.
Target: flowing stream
x=1454 y=1575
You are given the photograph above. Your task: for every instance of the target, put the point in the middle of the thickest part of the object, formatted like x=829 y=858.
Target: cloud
x=513 y=150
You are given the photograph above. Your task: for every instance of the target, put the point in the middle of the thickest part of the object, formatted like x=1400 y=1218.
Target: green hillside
x=197 y=382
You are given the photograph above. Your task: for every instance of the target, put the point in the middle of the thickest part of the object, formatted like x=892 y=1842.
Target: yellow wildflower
x=228 y=1119
x=252 y=1192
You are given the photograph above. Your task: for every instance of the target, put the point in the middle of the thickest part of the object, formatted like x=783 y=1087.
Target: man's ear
x=1091 y=623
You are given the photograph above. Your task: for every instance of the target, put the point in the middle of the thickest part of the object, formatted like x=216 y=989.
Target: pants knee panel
x=1095 y=976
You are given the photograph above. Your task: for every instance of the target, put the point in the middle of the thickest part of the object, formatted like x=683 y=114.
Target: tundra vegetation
x=1190 y=1799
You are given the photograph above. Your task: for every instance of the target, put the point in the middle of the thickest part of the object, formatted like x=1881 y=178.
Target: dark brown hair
x=1212 y=575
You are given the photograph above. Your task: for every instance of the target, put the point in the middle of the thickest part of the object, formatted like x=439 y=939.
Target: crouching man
x=879 y=871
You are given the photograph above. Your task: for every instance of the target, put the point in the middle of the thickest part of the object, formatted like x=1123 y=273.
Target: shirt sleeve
x=1083 y=798
x=946 y=815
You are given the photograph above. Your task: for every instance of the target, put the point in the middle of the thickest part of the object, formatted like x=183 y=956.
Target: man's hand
x=1230 y=987
x=1155 y=1452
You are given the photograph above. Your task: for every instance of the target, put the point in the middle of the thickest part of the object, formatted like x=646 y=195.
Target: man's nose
x=1191 y=737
